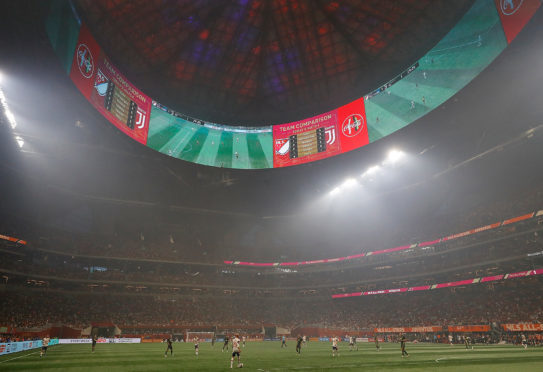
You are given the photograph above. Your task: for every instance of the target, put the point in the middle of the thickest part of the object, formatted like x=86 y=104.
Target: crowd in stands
x=511 y=301
x=495 y=252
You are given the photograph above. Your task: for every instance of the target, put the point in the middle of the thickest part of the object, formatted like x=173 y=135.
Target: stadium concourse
x=273 y=185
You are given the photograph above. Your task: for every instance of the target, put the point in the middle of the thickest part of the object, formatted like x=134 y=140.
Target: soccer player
x=213 y=340
x=335 y=351
x=376 y=340
x=283 y=342
x=523 y=341
x=196 y=342
x=304 y=339
x=169 y=347
x=402 y=345
x=225 y=345
x=352 y=343
x=236 y=351
x=94 y=339
x=45 y=343
x=466 y=342
x=299 y=341
x=243 y=340
x=450 y=340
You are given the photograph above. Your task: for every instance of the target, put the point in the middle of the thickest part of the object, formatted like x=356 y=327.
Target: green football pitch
x=268 y=356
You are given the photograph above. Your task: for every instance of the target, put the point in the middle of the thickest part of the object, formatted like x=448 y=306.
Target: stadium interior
x=436 y=221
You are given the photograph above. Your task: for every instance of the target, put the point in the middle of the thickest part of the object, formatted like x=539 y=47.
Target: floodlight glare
x=349 y=182
x=11 y=119
x=371 y=171
x=394 y=156
x=335 y=191
x=20 y=141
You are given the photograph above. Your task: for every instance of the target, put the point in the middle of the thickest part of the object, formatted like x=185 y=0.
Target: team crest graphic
x=101 y=82
x=330 y=134
x=282 y=146
x=140 y=118
x=85 y=62
x=352 y=125
x=510 y=7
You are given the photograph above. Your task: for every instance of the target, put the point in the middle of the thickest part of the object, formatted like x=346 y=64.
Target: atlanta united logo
x=352 y=125
x=85 y=62
x=510 y=7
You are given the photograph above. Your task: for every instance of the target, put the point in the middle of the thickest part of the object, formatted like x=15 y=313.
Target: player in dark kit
x=402 y=344
x=299 y=341
x=377 y=346
x=226 y=339
x=93 y=342
x=283 y=342
x=169 y=347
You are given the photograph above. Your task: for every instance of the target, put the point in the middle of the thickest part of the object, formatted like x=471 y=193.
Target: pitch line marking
x=20 y=356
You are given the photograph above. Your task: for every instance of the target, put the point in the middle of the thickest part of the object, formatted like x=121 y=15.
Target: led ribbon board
x=473 y=43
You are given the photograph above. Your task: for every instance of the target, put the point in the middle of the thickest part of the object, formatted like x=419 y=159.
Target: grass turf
x=268 y=356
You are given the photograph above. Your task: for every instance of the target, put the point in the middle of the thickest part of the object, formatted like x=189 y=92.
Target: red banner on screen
x=352 y=125
x=11 y=239
x=514 y=15
x=520 y=274
x=306 y=140
x=522 y=327
x=469 y=328
x=472 y=231
x=491 y=278
x=83 y=71
x=456 y=284
x=419 y=288
x=518 y=219
x=428 y=329
x=321 y=136
x=107 y=89
x=120 y=102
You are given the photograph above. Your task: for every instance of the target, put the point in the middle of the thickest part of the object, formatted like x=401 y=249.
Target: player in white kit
x=335 y=351
x=236 y=351
x=45 y=343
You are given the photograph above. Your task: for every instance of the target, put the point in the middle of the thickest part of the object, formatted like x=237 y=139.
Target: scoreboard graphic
x=319 y=137
x=120 y=102
x=306 y=140
x=108 y=90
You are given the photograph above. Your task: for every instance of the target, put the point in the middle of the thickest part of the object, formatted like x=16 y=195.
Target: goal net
x=202 y=336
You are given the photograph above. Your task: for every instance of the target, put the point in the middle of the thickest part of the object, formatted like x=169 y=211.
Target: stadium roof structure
x=262 y=62
x=482 y=144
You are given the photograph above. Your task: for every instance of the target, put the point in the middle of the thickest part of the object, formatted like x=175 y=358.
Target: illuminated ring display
x=472 y=44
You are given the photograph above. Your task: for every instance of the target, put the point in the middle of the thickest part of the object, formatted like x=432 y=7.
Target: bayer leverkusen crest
x=352 y=125
x=510 y=7
x=85 y=61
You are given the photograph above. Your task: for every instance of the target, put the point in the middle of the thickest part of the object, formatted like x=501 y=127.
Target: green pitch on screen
x=268 y=356
x=188 y=141
x=458 y=58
